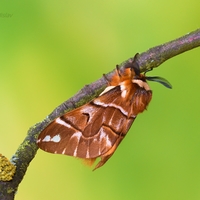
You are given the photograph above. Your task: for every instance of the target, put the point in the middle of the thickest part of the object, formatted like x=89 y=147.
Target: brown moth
x=96 y=129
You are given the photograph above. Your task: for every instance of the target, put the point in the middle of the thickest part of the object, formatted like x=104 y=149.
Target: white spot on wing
x=123 y=94
x=95 y=140
x=47 y=138
x=122 y=86
x=60 y=121
x=75 y=152
x=38 y=140
x=87 y=154
x=123 y=90
x=78 y=136
x=63 y=152
x=56 y=138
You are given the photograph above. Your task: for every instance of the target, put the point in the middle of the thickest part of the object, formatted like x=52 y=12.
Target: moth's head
x=135 y=71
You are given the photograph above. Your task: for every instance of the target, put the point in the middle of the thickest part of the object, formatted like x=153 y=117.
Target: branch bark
x=147 y=60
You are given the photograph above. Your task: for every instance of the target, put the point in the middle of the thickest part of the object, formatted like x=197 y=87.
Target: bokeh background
x=50 y=49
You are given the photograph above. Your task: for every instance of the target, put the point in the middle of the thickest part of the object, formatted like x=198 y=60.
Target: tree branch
x=147 y=60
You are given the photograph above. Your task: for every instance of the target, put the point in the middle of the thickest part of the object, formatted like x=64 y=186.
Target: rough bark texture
x=147 y=60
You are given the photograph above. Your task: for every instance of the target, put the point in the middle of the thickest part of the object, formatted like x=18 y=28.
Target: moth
x=96 y=129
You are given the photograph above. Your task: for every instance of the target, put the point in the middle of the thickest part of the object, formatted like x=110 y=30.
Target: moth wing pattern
x=97 y=128
x=94 y=129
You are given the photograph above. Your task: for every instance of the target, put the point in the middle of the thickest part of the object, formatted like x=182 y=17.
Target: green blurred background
x=51 y=49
